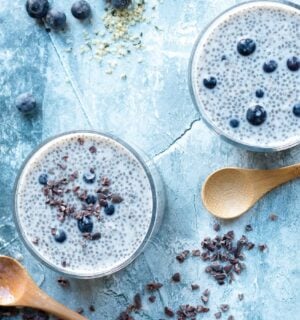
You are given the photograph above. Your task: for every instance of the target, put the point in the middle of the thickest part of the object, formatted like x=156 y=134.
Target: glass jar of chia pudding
x=87 y=203
x=244 y=75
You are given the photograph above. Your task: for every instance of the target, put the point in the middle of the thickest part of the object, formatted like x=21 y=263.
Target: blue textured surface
x=151 y=109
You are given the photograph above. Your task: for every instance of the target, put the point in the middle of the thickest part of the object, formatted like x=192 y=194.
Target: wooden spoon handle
x=270 y=179
x=37 y=299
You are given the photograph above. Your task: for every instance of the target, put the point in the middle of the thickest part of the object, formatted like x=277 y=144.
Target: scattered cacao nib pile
x=224 y=255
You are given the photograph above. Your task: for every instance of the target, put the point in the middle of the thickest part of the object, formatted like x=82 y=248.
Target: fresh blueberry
x=234 y=123
x=60 y=236
x=89 y=177
x=56 y=19
x=259 y=93
x=256 y=115
x=109 y=210
x=26 y=103
x=210 y=83
x=293 y=64
x=81 y=9
x=85 y=224
x=91 y=199
x=43 y=179
x=245 y=47
x=270 y=66
x=37 y=8
x=120 y=4
x=296 y=109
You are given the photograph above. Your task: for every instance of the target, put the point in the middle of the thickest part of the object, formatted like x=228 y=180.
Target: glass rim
x=192 y=87
x=138 y=250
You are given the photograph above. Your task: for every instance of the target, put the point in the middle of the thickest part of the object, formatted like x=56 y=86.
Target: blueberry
x=120 y=4
x=91 y=199
x=293 y=64
x=26 y=103
x=270 y=66
x=85 y=224
x=56 y=19
x=234 y=123
x=259 y=93
x=109 y=210
x=89 y=177
x=256 y=115
x=37 y=8
x=245 y=47
x=43 y=179
x=60 y=236
x=210 y=83
x=81 y=9
x=296 y=109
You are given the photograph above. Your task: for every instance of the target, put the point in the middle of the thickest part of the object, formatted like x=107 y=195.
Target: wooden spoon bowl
x=230 y=192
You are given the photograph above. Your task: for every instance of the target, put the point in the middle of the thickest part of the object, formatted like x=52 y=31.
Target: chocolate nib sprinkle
x=262 y=247
x=176 y=277
x=96 y=236
x=115 y=198
x=168 y=312
x=182 y=256
x=241 y=296
x=206 y=292
x=92 y=308
x=36 y=241
x=218 y=315
x=63 y=282
x=224 y=307
x=195 y=286
x=137 y=302
x=105 y=182
x=217 y=227
x=230 y=318
x=80 y=310
x=153 y=286
x=152 y=299
x=92 y=149
x=124 y=316
x=273 y=217
x=248 y=228
x=80 y=141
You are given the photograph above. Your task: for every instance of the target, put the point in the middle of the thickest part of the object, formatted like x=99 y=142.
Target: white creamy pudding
x=84 y=203
x=245 y=75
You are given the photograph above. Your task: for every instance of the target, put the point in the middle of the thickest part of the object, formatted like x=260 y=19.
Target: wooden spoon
x=230 y=192
x=17 y=289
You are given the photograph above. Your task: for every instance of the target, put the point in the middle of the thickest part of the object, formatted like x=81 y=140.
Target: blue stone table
x=151 y=109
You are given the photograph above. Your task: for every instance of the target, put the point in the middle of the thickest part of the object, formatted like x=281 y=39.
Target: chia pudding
x=85 y=204
x=245 y=75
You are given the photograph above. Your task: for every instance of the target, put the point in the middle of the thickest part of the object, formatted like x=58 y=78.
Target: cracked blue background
x=152 y=110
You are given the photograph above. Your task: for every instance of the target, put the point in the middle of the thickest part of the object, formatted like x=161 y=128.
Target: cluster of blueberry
x=85 y=223
x=55 y=19
x=257 y=115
